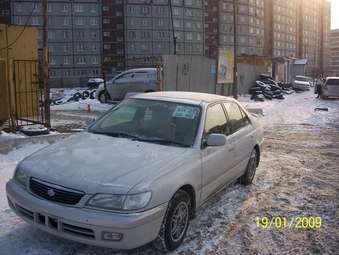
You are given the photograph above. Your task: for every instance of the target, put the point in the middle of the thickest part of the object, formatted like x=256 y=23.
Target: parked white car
x=330 y=87
x=138 y=80
x=302 y=83
x=139 y=173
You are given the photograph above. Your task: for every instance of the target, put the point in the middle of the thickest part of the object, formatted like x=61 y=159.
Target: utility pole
x=235 y=69
x=45 y=63
x=173 y=33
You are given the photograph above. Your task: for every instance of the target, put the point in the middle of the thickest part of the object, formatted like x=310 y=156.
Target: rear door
x=241 y=139
x=117 y=89
x=139 y=82
x=216 y=161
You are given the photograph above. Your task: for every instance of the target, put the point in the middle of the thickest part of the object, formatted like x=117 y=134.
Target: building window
x=95 y=60
x=79 y=21
x=51 y=35
x=107 y=34
x=66 y=21
x=65 y=8
x=93 y=9
x=66 y=60
x=189 y=36
x=36 y=7
x=52 y=61
x=106 y=21
x=105 y=8
x=93 y=21
x=107 y=46
x=78 y=8
x=81 y=60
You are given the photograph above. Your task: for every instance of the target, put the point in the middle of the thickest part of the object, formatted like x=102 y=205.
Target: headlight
x=138 y=201
x=120 y=202
x=20 y=176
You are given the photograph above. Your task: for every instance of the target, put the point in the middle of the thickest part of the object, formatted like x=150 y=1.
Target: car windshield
x=298 y=78
x=152 y=121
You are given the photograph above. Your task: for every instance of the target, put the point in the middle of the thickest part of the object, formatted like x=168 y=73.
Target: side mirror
x=216 y=140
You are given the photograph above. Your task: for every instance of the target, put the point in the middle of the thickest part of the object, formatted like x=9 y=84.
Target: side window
x=140 y=76
x=124 y=77
x=245 y=119
x=237 y=117
x=216 y=121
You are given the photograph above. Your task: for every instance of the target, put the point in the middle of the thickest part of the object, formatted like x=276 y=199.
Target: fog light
x=111 y=236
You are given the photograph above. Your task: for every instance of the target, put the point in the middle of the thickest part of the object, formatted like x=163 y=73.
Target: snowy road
x=298 y=176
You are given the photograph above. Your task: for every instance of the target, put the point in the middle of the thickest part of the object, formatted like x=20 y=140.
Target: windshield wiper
x=117 y=134
x=162 y=141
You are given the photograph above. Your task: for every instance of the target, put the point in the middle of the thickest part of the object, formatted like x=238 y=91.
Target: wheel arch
x=189 y=189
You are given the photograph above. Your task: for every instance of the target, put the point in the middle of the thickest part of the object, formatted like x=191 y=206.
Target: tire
x=35 y=130
x=85 y=95
x=92 y=95
x=102 y=97
x=248 y=176
x=180 y=204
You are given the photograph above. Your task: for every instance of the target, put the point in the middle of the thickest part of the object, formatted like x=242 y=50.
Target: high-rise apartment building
x=309 y=34
x=280 y=28
x=113 y=35
x=5 y=11
x=219 y=27
x=137 y=32
x=333 y=68
x=325 y=37
x=74 y=37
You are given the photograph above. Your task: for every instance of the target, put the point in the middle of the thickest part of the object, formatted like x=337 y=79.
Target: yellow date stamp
x=280 y=222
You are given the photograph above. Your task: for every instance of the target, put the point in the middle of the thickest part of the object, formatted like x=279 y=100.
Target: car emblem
x=51 y=193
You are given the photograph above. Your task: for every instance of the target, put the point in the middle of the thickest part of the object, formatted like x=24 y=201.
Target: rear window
x=333 y=82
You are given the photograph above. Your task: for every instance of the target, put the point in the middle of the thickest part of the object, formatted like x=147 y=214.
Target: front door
x=217 y=161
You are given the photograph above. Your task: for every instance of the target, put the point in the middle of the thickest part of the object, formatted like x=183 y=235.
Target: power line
x=21 y=32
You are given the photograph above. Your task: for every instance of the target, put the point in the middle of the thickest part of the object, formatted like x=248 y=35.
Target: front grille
x=24 y=212
x=55 y=193
x=79 y=231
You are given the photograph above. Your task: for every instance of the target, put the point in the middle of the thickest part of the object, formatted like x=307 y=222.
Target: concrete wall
x=189 y=73
x=247 y=75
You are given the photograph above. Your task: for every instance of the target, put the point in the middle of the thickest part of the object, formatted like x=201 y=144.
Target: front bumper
x=86 y=225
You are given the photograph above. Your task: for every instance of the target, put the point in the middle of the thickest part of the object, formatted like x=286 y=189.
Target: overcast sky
x=335 y=13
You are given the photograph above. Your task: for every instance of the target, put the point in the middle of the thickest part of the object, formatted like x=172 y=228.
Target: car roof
x=141 y=70
x=301 y=76
x=184 y=97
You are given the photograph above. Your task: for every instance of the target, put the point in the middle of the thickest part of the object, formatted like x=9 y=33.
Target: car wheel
x=175 y=224
x=248 y=176
x=102 y=97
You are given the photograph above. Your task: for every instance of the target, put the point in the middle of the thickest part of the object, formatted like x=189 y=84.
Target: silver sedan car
x=139 y=173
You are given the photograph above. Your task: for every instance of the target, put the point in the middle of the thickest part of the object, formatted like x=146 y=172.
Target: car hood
x=101 y=164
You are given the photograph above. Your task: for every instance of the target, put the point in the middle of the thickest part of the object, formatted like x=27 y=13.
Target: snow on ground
x=298 y=176
x=9 y=136
x=94 y=104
